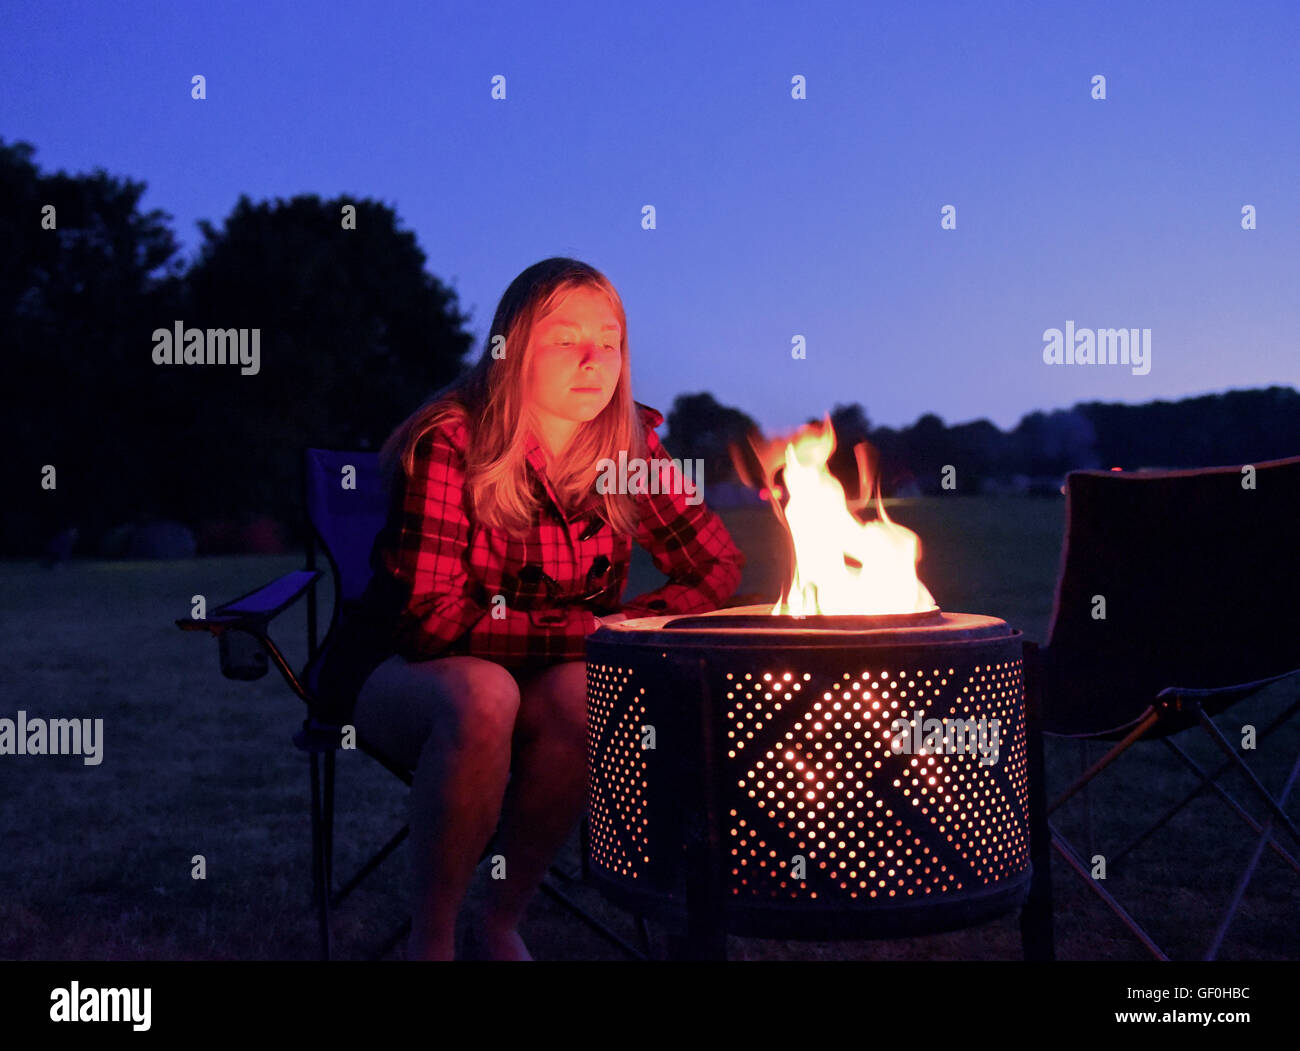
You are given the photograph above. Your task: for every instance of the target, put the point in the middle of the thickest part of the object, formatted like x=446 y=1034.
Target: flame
x=842 y=565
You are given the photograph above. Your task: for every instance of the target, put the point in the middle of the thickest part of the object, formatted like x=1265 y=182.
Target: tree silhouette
x=354 y=335
x=700 y=427
x=75 y=303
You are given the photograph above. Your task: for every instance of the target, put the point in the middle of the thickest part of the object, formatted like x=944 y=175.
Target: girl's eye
x=569 y=343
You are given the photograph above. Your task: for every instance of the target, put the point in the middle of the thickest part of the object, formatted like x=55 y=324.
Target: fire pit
x=815 y=777
x=851 y=762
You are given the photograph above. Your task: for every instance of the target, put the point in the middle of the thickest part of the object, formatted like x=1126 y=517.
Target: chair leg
x=1037 y=936
x=1274 y=809
x=1265 y=833
x=579 y=913
x=376 y=859
x=390 y=943
x=584 y=844
x=1209 y=781
x=1212 y=781
x=320 y=893
x=643 y=932
x=1206 y=782
x=329 y=822
x=1148 y=720
x=1088 y=837
x=1062 y=846
x=1264 y=837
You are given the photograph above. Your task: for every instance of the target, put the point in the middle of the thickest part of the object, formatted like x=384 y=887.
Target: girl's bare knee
x=458 y=702
x=483 y=704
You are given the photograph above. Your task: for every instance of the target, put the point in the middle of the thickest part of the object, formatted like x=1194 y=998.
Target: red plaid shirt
x=554 y=580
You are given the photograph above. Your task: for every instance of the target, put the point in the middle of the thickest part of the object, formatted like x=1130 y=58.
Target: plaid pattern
x=440 y=571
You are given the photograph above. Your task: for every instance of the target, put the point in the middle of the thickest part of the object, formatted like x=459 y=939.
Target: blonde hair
x=491 y=401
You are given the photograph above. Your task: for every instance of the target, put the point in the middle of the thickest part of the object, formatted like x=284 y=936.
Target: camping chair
x=342 y=522
x=1199 y=575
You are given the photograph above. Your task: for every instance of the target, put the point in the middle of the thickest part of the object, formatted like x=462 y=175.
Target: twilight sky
x=775 y=217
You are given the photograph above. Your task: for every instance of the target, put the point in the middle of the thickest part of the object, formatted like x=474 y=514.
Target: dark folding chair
x=1200 y=579
x=346 y=506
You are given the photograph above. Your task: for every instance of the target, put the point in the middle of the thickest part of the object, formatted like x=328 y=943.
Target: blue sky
x=775 y=217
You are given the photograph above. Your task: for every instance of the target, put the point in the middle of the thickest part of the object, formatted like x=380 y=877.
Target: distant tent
x=161 y=540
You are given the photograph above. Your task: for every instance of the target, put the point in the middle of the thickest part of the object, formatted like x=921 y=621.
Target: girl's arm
x=688 y=543
x=429 y=558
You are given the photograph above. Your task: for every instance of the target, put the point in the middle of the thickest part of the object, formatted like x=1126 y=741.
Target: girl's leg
x=451 y=720
x=547 y=791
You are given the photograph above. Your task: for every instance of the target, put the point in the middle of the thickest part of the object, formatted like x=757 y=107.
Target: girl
x=464 y=658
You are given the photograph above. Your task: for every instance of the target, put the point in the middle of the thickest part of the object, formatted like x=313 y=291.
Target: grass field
x=96 y=860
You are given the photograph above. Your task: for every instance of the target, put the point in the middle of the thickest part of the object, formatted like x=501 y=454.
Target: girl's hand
x=613 y=618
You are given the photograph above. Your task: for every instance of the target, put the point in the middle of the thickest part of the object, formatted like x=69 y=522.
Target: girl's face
x=576 y=358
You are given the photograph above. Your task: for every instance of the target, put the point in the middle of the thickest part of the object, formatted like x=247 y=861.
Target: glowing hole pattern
x=814 y=776
x=868 y=822
x=617 y=785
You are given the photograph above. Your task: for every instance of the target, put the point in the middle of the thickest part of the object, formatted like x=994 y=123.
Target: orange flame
x=842 y=565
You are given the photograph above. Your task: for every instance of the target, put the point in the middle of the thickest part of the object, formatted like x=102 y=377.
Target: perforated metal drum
x=817 y=777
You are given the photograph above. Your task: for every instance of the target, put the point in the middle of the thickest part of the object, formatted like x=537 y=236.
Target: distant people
x=60 y=547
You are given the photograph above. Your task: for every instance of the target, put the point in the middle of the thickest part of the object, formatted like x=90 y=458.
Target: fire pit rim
x=949 y=629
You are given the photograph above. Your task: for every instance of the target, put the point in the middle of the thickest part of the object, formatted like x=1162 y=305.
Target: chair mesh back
x=1201 y=582
x=346 y=520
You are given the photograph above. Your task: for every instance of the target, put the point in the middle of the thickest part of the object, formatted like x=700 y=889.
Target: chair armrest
x=253 y=611
x=1174 y=695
